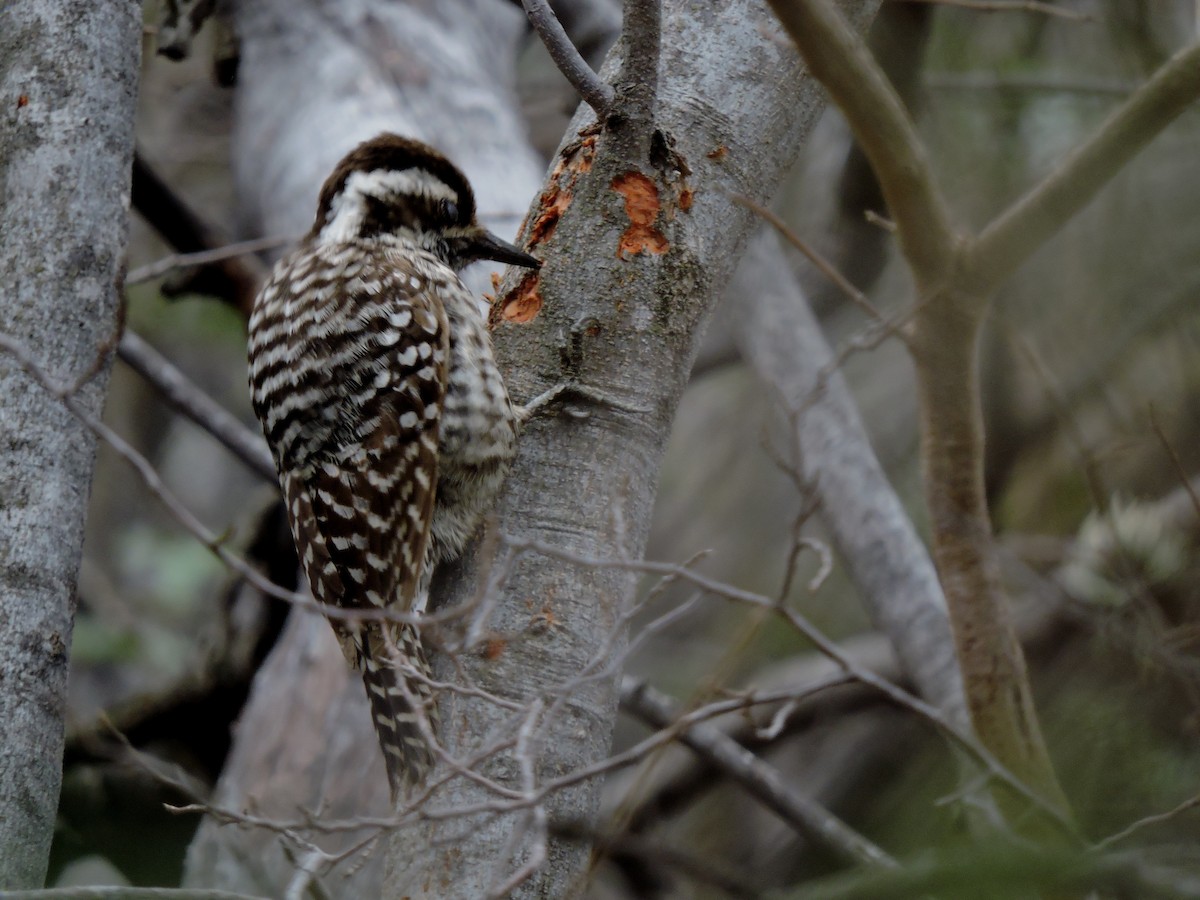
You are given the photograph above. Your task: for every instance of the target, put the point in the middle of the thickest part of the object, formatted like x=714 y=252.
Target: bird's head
x=395 y=187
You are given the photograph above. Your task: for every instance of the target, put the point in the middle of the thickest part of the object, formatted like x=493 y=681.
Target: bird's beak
x=485 y=245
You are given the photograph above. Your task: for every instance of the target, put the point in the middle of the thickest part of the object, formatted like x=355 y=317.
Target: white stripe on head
x=348 y=210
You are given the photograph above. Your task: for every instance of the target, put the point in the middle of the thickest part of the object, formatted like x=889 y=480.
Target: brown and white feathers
x=372 y=373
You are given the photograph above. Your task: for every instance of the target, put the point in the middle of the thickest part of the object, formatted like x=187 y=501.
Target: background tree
x=68 y=86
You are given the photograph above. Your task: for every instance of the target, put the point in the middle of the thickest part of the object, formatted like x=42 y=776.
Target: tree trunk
x=624 y=307
x=68 y=87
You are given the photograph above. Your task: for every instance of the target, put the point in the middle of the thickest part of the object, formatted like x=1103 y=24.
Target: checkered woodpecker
x=372 y=373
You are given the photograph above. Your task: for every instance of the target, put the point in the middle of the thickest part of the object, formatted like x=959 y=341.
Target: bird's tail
x=392 y=692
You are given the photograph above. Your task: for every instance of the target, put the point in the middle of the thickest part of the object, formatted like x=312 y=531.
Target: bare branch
x=761 y=780
x=186 y=397
x=889 y=564
x=967 y=742
x=955 y=280
x=1023 y=227
x=1176 y=462
x=1028 y=6
x=232 y=278
x=840 y=60
x=595 y=92
x=1132 y=829
x=525 y=754
x=174 y=261
x=824 y=266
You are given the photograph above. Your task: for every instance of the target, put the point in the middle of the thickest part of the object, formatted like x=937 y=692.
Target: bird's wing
x=369 y=490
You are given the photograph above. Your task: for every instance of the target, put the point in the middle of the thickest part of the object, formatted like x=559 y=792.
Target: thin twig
x=1176 y=462
x=233 y=279
x=174 y=261
x=508 y=800
x=824 y=266
x=305 y=882
x=186 y=397
x=897 y=695
x=1065 y=417
x=1029 y=6
x=591 y=87
x=526 y=756
x=1157 y=819
x=840 y=60
x=760 y=779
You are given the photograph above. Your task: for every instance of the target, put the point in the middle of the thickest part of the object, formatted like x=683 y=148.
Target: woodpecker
x=371 y=371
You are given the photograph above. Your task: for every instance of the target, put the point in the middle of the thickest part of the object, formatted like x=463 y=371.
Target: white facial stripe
x=349 y=209
x=413 y=182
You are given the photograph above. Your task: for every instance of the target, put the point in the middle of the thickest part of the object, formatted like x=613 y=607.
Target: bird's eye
x=449 y=210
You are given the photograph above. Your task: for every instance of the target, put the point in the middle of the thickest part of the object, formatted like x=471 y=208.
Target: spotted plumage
x=372 y=374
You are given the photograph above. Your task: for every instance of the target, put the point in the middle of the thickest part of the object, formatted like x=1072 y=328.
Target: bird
x=372 y=373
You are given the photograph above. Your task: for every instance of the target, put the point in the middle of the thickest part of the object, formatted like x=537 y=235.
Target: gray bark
x=68 y=85
x=627 y=329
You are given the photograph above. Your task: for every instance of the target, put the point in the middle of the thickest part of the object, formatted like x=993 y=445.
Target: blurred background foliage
x=1091 y=372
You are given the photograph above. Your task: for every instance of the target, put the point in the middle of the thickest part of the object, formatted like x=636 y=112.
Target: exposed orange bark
x=642 y=206
x=522 y=304
x=575 y=160
x=494 y=648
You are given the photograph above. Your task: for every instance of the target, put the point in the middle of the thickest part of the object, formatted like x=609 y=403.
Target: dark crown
x=408 y=189
x=393 y=153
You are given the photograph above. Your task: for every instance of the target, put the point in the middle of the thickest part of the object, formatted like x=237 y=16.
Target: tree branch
x=955 y=280
x=1023 y=227
x=637 y=81
x=761 y=780
x=783 y=343
x=186 y=397
x=1049 y=810
x=840 y=60
x=595 y=92
x=235 y=279
x=175 y=261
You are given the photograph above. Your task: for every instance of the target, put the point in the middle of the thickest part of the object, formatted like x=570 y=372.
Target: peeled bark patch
x=523 y=302
x=575 y=160
x=554 y=203
x=642 y=207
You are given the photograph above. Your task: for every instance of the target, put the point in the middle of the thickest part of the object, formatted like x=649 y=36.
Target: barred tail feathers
x=407 y=754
